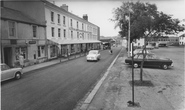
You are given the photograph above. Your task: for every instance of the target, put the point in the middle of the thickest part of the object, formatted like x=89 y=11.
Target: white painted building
x=182 y=39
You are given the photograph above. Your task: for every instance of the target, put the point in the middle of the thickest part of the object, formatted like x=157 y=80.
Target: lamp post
x=129 y=33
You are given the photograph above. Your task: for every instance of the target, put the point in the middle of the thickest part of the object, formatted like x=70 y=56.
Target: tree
x=145 y=21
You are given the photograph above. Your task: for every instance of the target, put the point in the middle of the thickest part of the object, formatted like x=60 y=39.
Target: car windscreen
x=93 y=52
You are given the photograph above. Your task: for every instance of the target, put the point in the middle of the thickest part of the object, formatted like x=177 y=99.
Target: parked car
x=151 y=60
x=149 y=47
x=9 y=73
x=136 y=51
x=93 y=55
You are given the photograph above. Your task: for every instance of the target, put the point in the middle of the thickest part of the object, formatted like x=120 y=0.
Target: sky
x=101 y=11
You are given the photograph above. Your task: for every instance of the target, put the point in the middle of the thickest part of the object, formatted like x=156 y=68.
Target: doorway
x=8 y=56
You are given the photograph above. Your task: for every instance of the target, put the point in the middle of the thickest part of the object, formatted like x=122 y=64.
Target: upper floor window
x=58 y=32
x=52 y=31
x=52 y=16
x=11 y=28
x=71 y=22
x=78 y=35
x=71 y=34
x=64 y=33
x=77 y=24
x=58 y=18
x=64 y=20
x=82 y=26
x=34 y=31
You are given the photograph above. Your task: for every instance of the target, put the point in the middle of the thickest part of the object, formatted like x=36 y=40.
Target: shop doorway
x=8 y=56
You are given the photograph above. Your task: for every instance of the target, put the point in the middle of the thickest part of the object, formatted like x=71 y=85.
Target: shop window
x=72 y=48
x=20 y=50
x=53 y=51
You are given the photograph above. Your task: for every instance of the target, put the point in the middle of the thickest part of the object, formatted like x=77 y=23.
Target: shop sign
x=32 y=42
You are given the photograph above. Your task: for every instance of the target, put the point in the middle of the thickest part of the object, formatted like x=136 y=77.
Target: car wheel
x=164 y=66
x=136 y=65
x=18 y=75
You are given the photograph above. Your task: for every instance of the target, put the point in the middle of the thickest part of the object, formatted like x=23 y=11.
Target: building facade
x=182 y=39
x=58 y=32
x=21 y=34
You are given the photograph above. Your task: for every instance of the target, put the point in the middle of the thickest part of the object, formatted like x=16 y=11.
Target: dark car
x=151 y=60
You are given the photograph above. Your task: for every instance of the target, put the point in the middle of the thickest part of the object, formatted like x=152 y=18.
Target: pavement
x=48 y=63
x=114 y=90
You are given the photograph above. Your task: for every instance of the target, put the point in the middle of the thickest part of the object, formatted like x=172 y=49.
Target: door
x=8 y=56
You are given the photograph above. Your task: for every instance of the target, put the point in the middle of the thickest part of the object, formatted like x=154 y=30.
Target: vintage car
x=151 y=60
x=136 y=51
x=9 y=73
x=150 y=47
x=93 y=55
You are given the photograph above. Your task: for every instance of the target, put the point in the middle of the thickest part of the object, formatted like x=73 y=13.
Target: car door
x=6 y=72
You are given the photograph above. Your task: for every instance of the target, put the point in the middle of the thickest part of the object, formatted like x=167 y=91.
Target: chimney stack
x=85 y=17
x=64 y=6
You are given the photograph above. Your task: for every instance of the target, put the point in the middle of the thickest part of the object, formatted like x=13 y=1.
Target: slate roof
x=11 y=14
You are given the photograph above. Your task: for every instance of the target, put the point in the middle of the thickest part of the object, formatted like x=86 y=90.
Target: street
x=56 y=87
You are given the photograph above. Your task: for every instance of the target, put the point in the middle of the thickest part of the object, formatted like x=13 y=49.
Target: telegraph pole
x=129 y=33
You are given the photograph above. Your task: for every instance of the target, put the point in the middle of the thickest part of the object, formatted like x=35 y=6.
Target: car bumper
x=91 y=59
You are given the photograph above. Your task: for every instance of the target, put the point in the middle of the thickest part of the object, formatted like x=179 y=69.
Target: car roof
x=94 y=50
x=147 y=53
x=2 y=64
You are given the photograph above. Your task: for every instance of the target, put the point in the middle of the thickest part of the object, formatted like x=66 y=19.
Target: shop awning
x=62 y=41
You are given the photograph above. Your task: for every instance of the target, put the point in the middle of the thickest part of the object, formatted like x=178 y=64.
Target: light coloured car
x=140 y=51
x=150 y=47
x=93 y=55
x=9 y=73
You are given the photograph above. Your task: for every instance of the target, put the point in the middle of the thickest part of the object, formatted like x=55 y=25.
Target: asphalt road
x=58 y=87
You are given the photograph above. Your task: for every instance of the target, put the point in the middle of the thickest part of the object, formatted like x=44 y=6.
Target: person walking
x=21 y=60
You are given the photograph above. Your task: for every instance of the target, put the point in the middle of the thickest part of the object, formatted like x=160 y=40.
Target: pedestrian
x=21 y=60
x=110 y=51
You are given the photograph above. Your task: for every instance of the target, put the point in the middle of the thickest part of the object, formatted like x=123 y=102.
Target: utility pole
x=129 y=33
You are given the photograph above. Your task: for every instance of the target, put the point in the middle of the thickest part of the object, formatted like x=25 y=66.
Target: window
x=71 y=34
x=11 y=28
x=53 y=51
x=58 y=32
x=64 y=33
x=52 y=31
x=77 y=24
x=78 y=35
x=39 y=54
x=59 y=18
x=40 y=50
x=52 y=16
x=34 y=31
x=20 y=50
x=64 y=20
x=82 y=26
x=71 y=22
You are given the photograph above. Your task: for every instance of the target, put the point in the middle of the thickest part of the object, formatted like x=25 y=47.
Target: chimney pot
x=85 y=17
